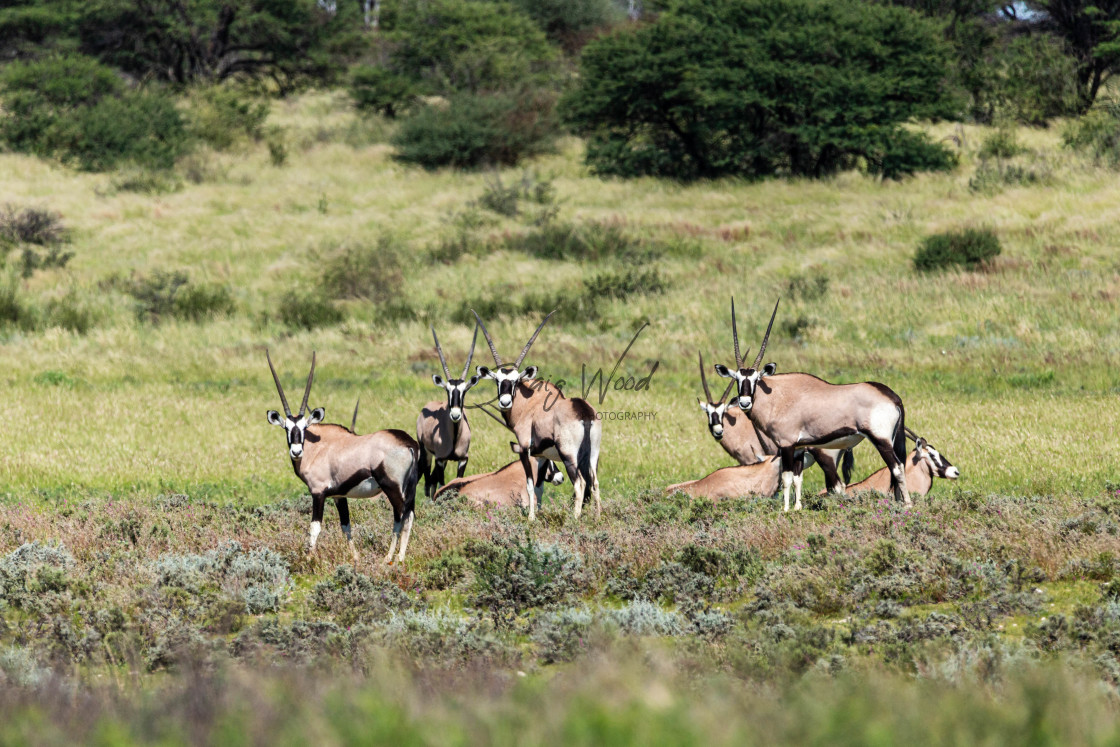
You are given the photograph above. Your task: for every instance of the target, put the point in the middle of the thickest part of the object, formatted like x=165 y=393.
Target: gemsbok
x=737 y=435
x=505 y=486
x=799 y=410
x=760 y=478
x=442 y=428
x=923 y=464
x=335 y=463
x=547 y=424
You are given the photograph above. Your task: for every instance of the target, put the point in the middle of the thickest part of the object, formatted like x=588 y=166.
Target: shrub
x=560 y=635
x=259 y=579
x=31 y=570
x=370 y=272
x=1002 y=143
x=754 y=87
x=220 y=116
x=446 y=570
x=511 y=576
x=590 y=242
x=641 y=617
x=354 y=597
x=968 y=248
x=503 y=200
x=1097 y=133
x=171 y=294
x=571 y=23
x=478 y=130
x=442 y=638
x=381 y=90
x=308 y=311
x=621 y=284
x=32 y=226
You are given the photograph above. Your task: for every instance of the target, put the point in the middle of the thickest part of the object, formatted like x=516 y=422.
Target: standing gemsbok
x=547 y=424
x=442 y=428
x=335 y=463
x=737 y=435
x=798 y=410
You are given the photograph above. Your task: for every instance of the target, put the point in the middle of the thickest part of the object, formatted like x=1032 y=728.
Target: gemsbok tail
x=900 y=435
x=847 y=462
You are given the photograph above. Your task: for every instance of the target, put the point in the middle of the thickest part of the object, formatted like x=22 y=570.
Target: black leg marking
x=462 y=467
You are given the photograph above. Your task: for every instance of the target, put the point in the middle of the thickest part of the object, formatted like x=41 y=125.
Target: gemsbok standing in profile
x=335 y=463
x=547 y=424
x=737 y=435
x=799 y=410
x=442 y=428
x=505 y=486
x=923 y=464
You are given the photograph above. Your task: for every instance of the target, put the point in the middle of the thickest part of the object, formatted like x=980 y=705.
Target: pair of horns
x=280 y=389
x=470 y=355
x=704 y=381
x=765 y=338
x=524 y=350
x=911 y=434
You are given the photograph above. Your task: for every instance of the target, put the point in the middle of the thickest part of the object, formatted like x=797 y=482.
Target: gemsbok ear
x=701 y=403
x=528 y=373
x=316 y=416
x=515 y=447
x=472 y=382
x=769 y=369
x=722 y=370
x=437 y=380
x=275 y=419
x=484 y=372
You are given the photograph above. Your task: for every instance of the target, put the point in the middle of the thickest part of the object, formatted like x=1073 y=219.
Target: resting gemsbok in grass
x=923 y=464
x=442 y=428
x=760 y=478
x=799 y=410
x=506 y=486
x=335 y=463
x=735 y=432
x=547 y=424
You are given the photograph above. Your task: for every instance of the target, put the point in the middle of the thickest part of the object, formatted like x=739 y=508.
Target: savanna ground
x=155 y=586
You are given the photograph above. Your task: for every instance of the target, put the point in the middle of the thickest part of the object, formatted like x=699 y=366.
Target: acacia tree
x=1091 y=29
x=759 y=87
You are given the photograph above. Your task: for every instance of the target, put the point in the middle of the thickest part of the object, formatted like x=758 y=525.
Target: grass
x=1011 y=372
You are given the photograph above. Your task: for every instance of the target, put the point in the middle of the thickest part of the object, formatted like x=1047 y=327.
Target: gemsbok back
x=442 y=428
x=505 y=486
x=923 y=464
x=760 y=478
x=547 y=424
x=798 y=410
x=335 y=463
x=735 y=432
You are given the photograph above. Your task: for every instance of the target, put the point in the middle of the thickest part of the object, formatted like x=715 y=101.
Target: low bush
x=969 y=248
x=561 y=635
x=354 y=597
x=1097 y=133
x=507 y=200
x=380 y=90
x=172 y=295
x=367 y=271
x=221 y=116
x=32 y=225
x=474 y=131
x=1002 y=143
x=308 y=311
x=511 y=576
x=641 y=617
x=622 y=284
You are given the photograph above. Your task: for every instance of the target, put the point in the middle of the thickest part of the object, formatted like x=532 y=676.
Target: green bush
x=220 y=116
x=78 y=111
x=473 y=131
x=968 y=248
x=366 y=271
x=1002 y=143
x=171 y=294
x=380 y=90
x=308 y=311
x=31 y=226
x=1097 y=133
x=511 y=576
x=570 y=23
x=760 y=87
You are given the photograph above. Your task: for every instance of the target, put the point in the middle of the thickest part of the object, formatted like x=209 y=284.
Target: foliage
x=511 y=576
x=473 y=131
x=739 y=87
x=354 y=597
x=380 y=90
x=570 y=23
x=31 y=226
x=969 y=248
x=172 y=294
x=1091 y=30
x=366 y=271
x=1097 y=133
x=308 y=311
x=220 y=116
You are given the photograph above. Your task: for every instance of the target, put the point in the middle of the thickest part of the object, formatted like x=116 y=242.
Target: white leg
x=787 y=480
x=840 y=489
x=405 y=534
x=393 y=542
x=797 y=489
x=313 y=536
x=579 y=490
x=900 y=476
x=531 y=493
x=595 y=493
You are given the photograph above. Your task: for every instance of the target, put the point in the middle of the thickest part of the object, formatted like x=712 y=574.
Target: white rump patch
x=365 y=489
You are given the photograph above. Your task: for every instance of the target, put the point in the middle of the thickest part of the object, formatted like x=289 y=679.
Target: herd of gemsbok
x=775 y=427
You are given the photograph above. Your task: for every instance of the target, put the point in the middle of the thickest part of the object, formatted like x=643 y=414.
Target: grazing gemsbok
x=922 y=465
x=737 y=435
x=798 y=410
x=442 y=428
x=547 y=424
x=335 y=463
x=506 y=486
x=760 y=478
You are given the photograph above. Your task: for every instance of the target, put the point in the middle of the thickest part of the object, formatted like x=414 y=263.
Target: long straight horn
x=726 y=391
x=704 y=378
x=280 y=389
x=735 y=335
x=354 y=420
x=493 y=350
x=442 y=360
x=307 y=389
x=525 y=350
x=470 y=355
x=911 y=434
x=766 y=337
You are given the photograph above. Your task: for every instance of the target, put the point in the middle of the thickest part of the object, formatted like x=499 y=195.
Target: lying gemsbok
x=547 y=424
x=442 y=428
x=760 y=478
x=737 y=435
x=799 y=410
x=506 y=486
x=335 y=463
x=923 y=464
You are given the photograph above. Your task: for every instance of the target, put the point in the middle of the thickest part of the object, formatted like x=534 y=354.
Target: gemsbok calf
x=923 y=464
x=335 y=463
x=760 y=478
x=547 y=424
x=506 y=486
x=442 y=428
x=798 y=410
x=735 y=432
